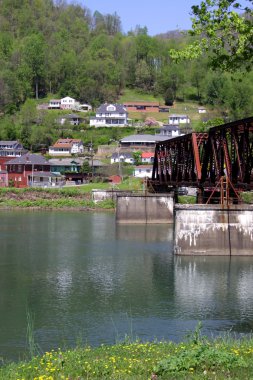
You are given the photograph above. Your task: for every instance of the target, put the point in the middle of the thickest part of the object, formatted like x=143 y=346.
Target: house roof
x=134 y=103
x=66 y=161
x=143 y=138
x=119 y=108
x=96 y=163
x=170 y=127
x=28 y=159
x=67 y=98
x=66 y=143
x=10 y=143
x=147 y=154
x=125 y=155
x=143 y=167
x=62 y=145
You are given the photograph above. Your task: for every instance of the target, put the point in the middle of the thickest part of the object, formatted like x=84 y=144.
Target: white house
x=68 y=103
x=122 y=157
x=84 y=107
x=170 y=131
x=54 y=104
x=110 y=115
x=141 y=140
x=72 y=118
x=143 y=171
x=147 y=157
x=179 y=119
x=66 y=147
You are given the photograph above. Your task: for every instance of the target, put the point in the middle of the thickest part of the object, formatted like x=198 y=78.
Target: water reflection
x=82 y=275
x=217 y=287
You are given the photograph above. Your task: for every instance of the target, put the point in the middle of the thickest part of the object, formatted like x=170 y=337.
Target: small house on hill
x=10 y=150
x=72 y=118
x=66 y=147
x=147 y=157
x=110 y=115
x=169 y=130
x=179 y=119
x=143 y=171
x=142 y=106
x=141 y=140
x=122 y=157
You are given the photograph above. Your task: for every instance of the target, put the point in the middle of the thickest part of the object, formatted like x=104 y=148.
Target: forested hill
x=50 y=47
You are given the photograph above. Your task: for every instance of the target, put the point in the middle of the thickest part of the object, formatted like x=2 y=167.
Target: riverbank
x=76 y=198
x=198 y=358
x=53 y=199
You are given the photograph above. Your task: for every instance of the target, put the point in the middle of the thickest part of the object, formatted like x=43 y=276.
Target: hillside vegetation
x=53 y=49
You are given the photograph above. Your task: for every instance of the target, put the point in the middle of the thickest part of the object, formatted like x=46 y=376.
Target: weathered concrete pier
x=213 y=230
x=151 y=208
x=199 y=229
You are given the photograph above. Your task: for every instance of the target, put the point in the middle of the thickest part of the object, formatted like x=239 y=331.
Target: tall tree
x=34 y=51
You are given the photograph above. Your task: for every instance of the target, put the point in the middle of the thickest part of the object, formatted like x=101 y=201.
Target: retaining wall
x=101 y=195
x=213 y=230
x=150 y=208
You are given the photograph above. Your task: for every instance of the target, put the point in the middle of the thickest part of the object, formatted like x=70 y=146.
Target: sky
x=159 y=16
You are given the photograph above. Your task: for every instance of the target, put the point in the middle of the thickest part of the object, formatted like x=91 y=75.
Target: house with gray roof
x=110 y=115
x=31 y=170
x=11 y=149
x=179 y=119
x=72 y=118
x=142 y=140
x=170 y=131
x=122 y=157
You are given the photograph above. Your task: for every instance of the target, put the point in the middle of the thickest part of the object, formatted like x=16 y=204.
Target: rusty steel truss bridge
x=218 y=163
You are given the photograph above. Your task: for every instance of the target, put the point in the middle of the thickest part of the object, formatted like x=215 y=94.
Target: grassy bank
x=74 y=198
x=198 y=358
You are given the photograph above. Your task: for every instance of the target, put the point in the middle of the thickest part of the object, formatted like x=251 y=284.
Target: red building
x=23 y=170
x=142 y=106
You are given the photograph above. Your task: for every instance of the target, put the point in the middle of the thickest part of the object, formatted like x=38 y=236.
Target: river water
x=86 y=280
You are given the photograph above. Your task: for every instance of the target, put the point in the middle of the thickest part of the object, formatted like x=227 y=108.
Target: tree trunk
x=36 y=88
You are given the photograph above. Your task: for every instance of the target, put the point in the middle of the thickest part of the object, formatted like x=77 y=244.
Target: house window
x=19 y=169
x=111 y=108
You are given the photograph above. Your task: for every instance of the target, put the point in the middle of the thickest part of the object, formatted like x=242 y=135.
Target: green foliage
x=186 y=199
x=137 y=157
x=106 y=204
x=247 y=197
x=215 y=359
x=53 y=49
x=86 y=167
x=223 y=32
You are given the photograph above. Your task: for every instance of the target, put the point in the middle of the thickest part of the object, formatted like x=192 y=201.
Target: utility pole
x=92 y=167
x=119 y=162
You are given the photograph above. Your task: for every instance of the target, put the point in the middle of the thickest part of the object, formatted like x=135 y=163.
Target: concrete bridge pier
x=213 y=230
x=150 y=208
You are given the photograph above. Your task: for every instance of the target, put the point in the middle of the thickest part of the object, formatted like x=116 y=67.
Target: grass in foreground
x=195 y=359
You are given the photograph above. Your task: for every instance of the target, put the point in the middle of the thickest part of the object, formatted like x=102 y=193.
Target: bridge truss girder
x=202 y=159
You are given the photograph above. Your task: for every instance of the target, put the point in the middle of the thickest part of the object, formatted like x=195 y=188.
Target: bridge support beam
x=213 y=230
